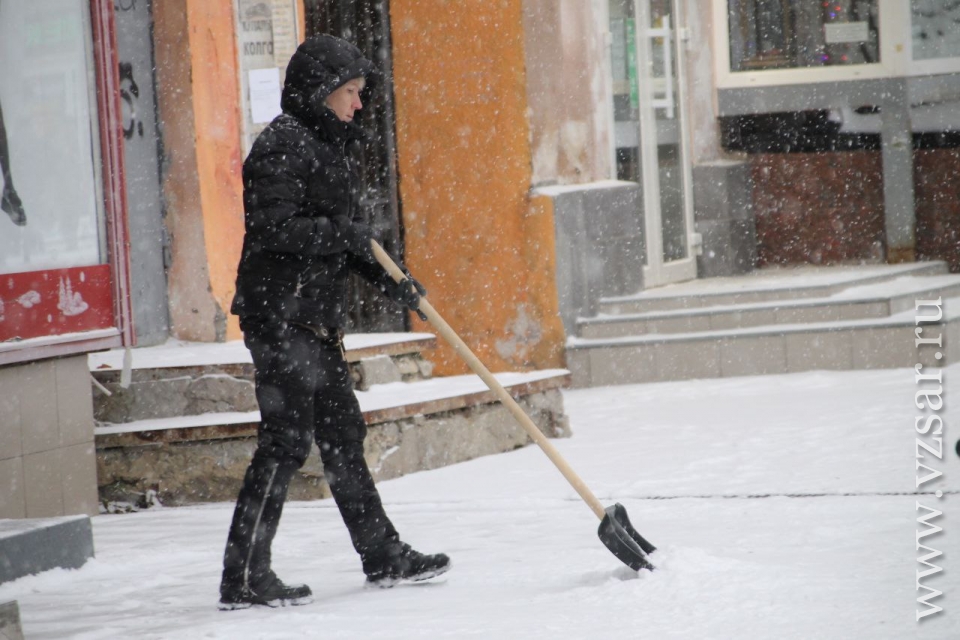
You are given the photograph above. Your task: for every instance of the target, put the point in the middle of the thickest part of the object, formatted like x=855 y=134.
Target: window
x=48 y=141
x=936 y=29
x=59 y=278
x=786 y=34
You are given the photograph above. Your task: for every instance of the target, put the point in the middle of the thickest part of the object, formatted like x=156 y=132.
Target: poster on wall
x=267 y=37
x=53 y=276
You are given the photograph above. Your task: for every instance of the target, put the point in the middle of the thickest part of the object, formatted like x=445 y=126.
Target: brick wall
x=937 y=190
x=824 y=208
x=818 y=208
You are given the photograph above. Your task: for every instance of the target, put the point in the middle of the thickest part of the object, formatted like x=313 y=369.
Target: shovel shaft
x=488 y=378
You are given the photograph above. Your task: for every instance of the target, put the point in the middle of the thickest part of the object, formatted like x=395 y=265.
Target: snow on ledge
x=560 y=189
x=180 y=353
x=60 y=338
x=10 y=528
x=378 y=398
x=398 y=394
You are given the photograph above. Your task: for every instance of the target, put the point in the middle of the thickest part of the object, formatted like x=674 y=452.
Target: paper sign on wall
x=266 y=38
x=264 y=94
x=839 y=32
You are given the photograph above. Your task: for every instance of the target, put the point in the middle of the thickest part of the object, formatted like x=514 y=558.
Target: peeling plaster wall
x=196 y=68
x=701 y=108
x=568 y=90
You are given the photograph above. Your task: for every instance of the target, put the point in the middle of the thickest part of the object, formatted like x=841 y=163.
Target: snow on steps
x=877 y=300
x=381 y=403
x=185 y=455
x=188 y=378
x=864 y=322
x=178 y=353
x=764 y=285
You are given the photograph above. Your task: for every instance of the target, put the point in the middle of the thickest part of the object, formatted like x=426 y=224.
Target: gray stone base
x=599 y=245
x=211 y=471
x=723 y=209
x=32 y=546
x=10 y=628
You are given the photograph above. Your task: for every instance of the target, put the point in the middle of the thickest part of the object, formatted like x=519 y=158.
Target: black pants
x=305 y=392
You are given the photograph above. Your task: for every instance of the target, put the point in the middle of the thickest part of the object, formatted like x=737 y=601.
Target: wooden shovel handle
x=477 y=367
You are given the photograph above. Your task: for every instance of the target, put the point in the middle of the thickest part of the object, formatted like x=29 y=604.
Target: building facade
x=529 y=157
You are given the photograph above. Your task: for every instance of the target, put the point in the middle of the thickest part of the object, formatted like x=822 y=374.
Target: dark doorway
x=366 y=23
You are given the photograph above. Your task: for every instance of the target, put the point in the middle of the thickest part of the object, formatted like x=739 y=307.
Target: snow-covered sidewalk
x=782 y=506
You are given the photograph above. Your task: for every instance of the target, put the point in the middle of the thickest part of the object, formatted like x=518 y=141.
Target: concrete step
x=38 y=544
x=183 y=378
x=764 y=285
x=870 y=343
x=412 y=426
x=864 y=301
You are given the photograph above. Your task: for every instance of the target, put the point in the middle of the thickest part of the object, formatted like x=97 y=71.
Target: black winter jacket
x=301 y=197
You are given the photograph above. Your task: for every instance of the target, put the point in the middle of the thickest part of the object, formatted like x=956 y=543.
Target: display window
x=779 y=42
x=59 y=249
x=782 y=34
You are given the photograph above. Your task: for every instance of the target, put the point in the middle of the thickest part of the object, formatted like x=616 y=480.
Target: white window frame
x=896 y=55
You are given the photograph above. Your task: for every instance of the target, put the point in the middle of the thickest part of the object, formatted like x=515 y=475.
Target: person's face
x=345 y=100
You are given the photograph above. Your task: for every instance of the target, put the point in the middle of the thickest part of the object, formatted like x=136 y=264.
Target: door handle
x=665 y=99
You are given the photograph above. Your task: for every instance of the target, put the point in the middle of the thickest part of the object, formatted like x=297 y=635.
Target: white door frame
x=657 y=272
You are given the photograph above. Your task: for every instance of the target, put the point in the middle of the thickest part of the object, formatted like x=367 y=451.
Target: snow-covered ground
x=783 y=507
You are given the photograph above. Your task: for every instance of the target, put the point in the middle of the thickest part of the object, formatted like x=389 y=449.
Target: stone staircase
x=777 y=320
x=185 y=428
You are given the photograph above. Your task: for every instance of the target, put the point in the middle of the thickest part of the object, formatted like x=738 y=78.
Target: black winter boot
x=271 y=593
x=247 y=577
x=398 y=562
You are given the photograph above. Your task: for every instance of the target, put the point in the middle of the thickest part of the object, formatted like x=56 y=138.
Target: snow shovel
x=615 y=531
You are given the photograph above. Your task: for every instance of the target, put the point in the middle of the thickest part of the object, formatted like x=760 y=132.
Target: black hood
x=321 y=65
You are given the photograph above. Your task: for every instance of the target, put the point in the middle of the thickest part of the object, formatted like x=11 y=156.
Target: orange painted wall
x=199 y=102
x=482 y=249
x=219 y=160
x=193 y=312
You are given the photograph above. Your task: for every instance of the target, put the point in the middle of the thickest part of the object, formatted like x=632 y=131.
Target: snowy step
x=413 y=426
x=179 y=353
x=381 y=403
x=872 y=343
x=185 y=378
x=764 y=285
x=34 y=545
x=857 y=302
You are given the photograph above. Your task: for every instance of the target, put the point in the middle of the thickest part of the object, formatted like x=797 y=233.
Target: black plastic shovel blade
x=618 y=535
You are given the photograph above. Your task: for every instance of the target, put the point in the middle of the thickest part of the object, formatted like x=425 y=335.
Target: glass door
x=649 y=131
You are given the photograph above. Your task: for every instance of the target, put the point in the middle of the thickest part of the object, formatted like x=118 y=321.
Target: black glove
x=358 y=236
x=407 y=292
